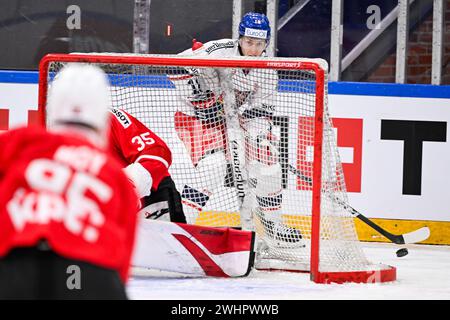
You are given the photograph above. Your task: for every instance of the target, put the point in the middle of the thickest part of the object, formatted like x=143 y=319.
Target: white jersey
x=249 y=134
x=260 y=84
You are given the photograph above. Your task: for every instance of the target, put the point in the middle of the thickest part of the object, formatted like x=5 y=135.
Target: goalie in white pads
x=254 y=156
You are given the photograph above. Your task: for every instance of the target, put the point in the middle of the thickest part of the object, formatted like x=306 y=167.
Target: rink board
x=439 y=230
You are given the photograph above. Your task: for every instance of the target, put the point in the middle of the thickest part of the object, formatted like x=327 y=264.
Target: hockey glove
x=165 y=202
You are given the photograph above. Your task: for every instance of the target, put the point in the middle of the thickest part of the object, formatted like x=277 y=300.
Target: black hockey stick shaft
x=397 y=239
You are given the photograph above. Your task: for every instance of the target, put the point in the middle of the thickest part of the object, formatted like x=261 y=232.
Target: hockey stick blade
x=410 y=237
x=419 y=235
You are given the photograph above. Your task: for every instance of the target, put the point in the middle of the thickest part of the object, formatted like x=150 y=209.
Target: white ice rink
x=423 y=274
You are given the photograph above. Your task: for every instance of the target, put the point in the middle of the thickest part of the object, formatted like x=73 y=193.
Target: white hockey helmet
x=79 y=95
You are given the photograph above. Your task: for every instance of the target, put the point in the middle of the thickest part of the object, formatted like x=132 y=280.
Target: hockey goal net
x=253 y=146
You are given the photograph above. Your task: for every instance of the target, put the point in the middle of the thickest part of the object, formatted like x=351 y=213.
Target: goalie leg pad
x=210 y=171
x=209 y=175
x=261 y=143
x=268 y=185
x=269 y=200
x=194 y=250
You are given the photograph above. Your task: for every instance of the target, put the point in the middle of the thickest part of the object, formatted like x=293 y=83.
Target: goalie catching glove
x=156 y=203
x=164 y=203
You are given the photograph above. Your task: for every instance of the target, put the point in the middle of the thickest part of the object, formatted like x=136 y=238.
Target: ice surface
x=423 y=274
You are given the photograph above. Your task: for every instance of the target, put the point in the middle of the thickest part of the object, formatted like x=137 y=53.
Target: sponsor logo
x=280 y=64
x=217 y=45
x=212 y=232
x=237 y=170
x=255 y=33
x=122 y=117
x=268 y=108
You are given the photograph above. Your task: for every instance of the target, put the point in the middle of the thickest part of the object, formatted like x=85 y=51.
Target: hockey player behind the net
x=67 y=210
x=254 y=90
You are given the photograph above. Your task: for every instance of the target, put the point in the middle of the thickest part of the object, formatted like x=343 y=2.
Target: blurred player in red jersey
x=67 y=211
x=147 y=159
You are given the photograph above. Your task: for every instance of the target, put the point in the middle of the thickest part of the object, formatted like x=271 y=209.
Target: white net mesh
x=242 y=141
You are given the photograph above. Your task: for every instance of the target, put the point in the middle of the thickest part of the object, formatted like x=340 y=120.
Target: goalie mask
x=79 y=96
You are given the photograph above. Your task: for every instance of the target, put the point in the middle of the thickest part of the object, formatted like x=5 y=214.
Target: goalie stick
x=418 y=235
x=235 y=138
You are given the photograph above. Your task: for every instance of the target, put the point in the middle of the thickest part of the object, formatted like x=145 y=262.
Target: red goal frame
x=388 y=274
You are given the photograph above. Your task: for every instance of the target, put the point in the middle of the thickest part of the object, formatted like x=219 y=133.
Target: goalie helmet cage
x=280 y=108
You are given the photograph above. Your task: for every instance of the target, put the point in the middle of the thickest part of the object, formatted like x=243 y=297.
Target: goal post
x=253 y=147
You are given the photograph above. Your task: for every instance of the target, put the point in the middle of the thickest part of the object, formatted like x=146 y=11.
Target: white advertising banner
x=405 y=173
x=16 y=102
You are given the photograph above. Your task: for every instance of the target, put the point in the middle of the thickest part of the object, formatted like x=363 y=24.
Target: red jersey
x=64 y=189
x=132 y=142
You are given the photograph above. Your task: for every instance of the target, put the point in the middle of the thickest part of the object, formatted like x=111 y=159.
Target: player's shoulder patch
x=121 y=116
x=217 y=45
